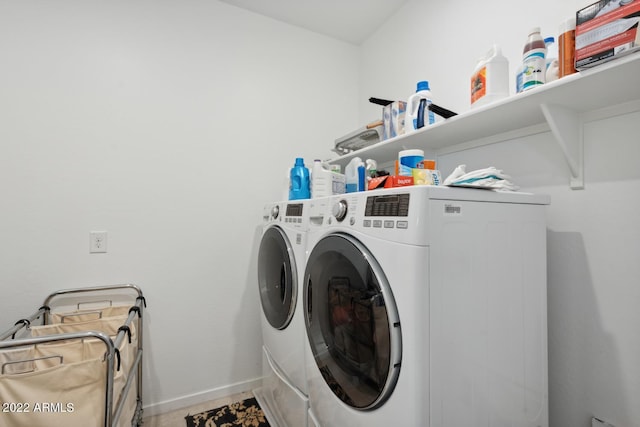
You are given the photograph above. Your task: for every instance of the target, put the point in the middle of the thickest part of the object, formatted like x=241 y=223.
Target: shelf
x=560 y=106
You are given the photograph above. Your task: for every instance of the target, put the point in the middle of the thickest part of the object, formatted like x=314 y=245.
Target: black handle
x=383 y=102
x=442 y=112
x=420 y=119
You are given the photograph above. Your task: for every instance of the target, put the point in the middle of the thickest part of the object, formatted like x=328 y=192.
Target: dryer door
x=277 y=277
x=352 y=322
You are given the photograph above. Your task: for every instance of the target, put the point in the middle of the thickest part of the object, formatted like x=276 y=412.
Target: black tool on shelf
x=441 y=111
x=383 y=102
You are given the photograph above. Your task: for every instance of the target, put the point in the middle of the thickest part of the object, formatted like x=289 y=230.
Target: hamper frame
x=112 y=409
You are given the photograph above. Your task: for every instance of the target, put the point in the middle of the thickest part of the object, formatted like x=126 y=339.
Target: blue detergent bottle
x=299 y=185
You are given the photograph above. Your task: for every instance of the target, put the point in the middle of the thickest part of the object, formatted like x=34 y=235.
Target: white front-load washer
x=426 y=306
x=281 y=263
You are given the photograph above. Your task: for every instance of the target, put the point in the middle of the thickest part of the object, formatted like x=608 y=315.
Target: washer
x=281 y=263
x=426 y=306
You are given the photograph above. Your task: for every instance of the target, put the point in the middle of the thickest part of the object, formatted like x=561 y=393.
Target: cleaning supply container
x=325 y=181
x=418 y=114
x=490 y=79
x=354 y=173
x=519 y=77
x=551 y=60
x=371 y=167
x=533 y=59
x=567 y=47
x=408 y=160
x=299 y=185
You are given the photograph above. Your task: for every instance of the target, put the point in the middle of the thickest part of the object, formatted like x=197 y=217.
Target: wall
x=168 y=124
x=593 y=243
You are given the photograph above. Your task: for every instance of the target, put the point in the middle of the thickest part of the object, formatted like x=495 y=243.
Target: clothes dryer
x=281 y=263
x=426 y=306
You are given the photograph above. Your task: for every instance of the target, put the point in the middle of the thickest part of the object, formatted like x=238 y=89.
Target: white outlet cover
x=97 y=242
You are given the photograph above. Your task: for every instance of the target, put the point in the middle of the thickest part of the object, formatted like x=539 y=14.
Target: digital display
x=391 y=205
x=294 y=209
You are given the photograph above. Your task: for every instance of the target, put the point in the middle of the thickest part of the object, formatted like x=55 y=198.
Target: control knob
x=275 y=211
x=340 y=210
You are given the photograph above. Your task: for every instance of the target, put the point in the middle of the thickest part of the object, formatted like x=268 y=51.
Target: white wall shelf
x=561 y=106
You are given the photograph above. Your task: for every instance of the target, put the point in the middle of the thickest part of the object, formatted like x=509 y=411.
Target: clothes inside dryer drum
x=351 y=322
x=277 y=278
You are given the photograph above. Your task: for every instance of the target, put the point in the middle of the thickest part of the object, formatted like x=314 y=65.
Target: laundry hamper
x=81 y=368
x=108 y=325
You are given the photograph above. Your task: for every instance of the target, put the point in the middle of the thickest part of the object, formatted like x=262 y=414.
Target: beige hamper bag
x=94 y=348
x=108 y=326
x=89 y=314
x=69 y=395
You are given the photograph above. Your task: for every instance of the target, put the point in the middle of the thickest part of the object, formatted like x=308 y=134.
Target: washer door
x=352 y=322
x=277 y=277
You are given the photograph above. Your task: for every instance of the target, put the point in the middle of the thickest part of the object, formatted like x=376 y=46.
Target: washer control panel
x=388 y=205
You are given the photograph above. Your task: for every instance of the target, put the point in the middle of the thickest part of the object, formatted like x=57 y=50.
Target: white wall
x=593 y=234
x=168 y=124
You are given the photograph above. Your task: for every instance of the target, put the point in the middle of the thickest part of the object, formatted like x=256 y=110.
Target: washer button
x=388 y=224
x=377 y=223
x=402 y=224
x=366 y=223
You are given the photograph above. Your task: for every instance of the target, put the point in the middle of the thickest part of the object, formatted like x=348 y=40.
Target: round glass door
x=277 y=277
x=352 y=322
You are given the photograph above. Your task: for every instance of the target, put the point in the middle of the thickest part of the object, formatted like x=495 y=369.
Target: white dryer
x=426 y=306
x=281 y=263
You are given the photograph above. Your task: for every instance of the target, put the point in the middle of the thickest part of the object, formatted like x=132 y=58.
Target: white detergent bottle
x=321 y=180
x=490 y=79
x=351 y=173
x=551 y=60
x=418 y=113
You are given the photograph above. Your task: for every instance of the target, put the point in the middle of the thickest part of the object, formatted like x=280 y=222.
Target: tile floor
x=176 y=418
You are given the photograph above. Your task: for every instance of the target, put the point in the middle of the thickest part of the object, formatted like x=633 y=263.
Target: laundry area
x=321 y=214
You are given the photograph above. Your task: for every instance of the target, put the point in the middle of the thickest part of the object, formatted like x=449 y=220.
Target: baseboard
x=201 y=397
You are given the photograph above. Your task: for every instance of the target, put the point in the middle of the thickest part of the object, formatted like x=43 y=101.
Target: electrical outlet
x=97 y=242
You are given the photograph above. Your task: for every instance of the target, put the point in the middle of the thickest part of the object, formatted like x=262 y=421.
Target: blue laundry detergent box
x=393 y=119
x=398 y=109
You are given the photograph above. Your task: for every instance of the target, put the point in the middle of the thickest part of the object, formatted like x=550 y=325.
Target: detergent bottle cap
x=423 y=85
x=299 y=161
